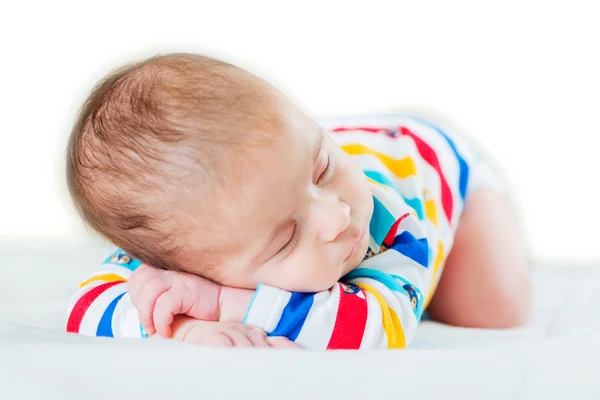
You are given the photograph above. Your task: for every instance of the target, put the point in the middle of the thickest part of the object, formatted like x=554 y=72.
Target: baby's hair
x=153 y=146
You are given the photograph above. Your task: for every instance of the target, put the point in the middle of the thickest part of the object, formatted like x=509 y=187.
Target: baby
x=240 y=220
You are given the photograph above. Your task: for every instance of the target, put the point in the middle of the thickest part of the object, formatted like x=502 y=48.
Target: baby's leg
x=485 y=282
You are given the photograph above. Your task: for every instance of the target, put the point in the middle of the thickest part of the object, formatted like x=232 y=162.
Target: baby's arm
x=125 y=297
x=104 y=306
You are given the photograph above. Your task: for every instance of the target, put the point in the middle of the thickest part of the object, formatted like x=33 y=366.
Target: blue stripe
x=463 y=166
x=376 y=275
x=416 y=205
x=105 y=325
x=143 y=333
x=380 y=178
x=406 y=282
x=107 y=261
x=408 y=245
x=419 y=310
x=381 y=222
x=294 y=315
x=131 y=265
x=393 y=282
x=251 y=303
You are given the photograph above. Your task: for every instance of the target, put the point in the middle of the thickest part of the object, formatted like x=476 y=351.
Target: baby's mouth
x=355 y=247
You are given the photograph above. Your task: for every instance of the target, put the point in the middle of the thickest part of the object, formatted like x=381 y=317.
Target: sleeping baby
x=240 y=221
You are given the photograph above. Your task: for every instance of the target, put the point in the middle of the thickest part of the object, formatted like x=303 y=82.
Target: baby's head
x=193 y=164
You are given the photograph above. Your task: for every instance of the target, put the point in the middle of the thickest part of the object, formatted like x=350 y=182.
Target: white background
x=522 y=76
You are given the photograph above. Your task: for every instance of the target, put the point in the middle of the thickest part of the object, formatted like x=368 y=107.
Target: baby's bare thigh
x=485 y=282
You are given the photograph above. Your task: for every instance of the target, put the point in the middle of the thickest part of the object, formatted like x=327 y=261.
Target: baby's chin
x=313 y=285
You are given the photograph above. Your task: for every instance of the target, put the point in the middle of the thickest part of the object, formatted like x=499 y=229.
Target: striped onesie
x=420 y=177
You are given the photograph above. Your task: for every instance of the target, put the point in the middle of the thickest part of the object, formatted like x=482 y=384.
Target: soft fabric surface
x=557 y=355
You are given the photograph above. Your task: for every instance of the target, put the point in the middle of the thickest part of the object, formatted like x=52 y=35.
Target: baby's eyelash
x=291 y=243
x=326 y=174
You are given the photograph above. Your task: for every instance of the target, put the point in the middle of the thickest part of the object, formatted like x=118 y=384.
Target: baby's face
x=301 y=219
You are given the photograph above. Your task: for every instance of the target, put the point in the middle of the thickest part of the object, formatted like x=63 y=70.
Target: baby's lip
x=355 y=247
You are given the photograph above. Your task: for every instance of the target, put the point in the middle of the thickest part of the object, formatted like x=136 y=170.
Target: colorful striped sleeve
x=101 y=306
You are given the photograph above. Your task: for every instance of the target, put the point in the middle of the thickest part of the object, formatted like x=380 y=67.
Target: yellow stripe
x=391 y=322
x=430 y=208
x=431 y=211
x=378 y=184
x=104 y=278
x=401 y=168
x=436 y=267
x=398 y=342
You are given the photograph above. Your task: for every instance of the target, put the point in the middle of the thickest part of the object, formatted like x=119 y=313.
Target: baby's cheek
x=326 y=276
x=310 y=277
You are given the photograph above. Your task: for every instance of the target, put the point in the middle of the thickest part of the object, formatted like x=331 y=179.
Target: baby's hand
x=227 y=334
x=159 y=295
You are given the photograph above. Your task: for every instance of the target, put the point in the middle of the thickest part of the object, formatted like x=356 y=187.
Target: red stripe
x=429 y=155
x=84 y=303
x=389 y=239
x=361 y=128
x=350 y=322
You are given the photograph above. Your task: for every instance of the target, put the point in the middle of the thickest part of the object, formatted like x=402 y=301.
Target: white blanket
x=557 y=355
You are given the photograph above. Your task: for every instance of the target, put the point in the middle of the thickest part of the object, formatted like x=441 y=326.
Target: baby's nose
x=333 y=219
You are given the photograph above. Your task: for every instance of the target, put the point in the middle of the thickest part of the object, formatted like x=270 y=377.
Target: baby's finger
x=238 y=338
x=282 y=342
x=167 y=306
x=220 y=340
x=257 y=337
x=138 y=278
x=145 y=302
